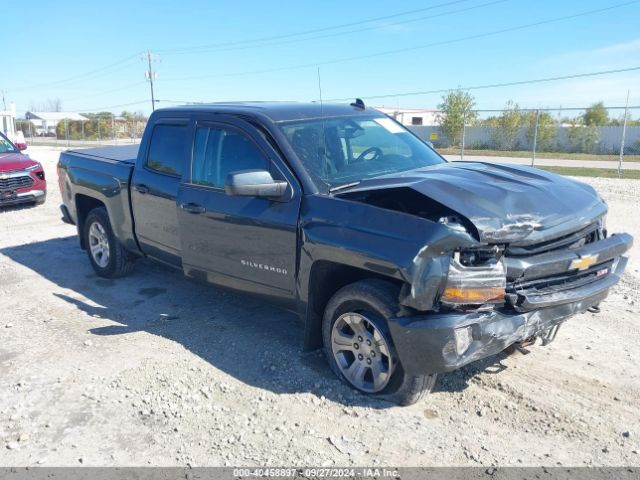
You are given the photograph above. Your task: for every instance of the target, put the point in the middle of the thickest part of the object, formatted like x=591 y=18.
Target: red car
x=21 y=178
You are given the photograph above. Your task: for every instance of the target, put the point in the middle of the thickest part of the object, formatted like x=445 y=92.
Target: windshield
x=6 y=146
x=356 y=148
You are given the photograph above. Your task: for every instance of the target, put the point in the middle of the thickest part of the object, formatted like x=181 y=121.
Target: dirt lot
x=90 y=374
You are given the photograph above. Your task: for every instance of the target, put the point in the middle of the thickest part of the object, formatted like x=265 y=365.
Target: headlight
x=475 y=281
x=602 y=227
x=33 y=167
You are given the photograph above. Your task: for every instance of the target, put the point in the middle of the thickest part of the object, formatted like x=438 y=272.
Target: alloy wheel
x=99 y=244
x=362 y=352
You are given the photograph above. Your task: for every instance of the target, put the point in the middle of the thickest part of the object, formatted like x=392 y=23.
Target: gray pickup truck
x=401 y=264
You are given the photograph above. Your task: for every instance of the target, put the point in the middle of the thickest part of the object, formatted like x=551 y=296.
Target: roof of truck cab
x=279 y=111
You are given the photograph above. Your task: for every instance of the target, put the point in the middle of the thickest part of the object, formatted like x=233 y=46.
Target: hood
x=505 y=203
x=15 y=161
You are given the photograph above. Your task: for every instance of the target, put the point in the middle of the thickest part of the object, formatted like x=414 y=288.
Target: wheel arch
x=325 y=279
x=84 y=204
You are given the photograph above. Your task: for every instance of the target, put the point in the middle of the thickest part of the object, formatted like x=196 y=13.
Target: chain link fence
x=550 y=138
x=103 y=130
x=556 y=139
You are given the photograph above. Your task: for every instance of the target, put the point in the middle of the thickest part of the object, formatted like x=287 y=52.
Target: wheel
x=107 y=256
x=358 y=345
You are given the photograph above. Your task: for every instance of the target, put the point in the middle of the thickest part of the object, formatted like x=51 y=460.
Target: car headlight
x=33 y=167
x=475 y=280
x=602 y=227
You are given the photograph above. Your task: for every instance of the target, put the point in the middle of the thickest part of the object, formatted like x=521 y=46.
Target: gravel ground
x=93 y=373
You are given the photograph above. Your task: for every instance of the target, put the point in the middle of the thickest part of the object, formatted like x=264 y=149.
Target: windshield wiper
x=346 y=185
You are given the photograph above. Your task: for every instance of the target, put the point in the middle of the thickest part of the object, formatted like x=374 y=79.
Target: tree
x=506 y=127
x=547 y=130
x=596 y=115
x=618 y=122
x=455 y=111
x=51 y=105
x=583 y=138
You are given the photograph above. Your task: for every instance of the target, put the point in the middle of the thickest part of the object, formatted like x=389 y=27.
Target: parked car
x=20 y=141
x=401 y=264
x=22 y=179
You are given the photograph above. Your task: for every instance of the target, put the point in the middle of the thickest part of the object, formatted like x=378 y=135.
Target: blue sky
x=88 y=54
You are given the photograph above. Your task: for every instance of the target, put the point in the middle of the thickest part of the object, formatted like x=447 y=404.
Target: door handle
x=141 y=188
x=193 y=208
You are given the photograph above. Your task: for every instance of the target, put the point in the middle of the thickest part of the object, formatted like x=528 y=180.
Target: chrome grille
x=554 y=283
x=13 y=183
x=577 y=239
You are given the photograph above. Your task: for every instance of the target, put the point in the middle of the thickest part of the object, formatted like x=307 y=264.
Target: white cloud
x=604 y=57
x=619 y=48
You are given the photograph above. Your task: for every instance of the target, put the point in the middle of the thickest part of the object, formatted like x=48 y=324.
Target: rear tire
x=356 y=339
x=106 y=254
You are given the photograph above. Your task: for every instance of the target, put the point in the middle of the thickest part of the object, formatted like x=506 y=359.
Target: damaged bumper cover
x=430 y=343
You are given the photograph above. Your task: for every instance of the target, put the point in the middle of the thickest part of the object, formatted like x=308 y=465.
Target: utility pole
x=535 y=138
x=624 y=131
x=4 y=102
x=150 y=75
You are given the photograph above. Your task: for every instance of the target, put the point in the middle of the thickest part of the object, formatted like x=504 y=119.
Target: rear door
x=155 y=185
x=247 y=243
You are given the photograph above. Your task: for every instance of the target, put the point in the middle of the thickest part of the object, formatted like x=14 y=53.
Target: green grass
x=593 y=172
x=527 y=154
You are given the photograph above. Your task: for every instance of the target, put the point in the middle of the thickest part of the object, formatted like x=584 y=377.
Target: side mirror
x=254 y=183
x=21 y=146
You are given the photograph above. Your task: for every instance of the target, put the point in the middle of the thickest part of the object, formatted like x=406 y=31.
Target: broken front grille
x=589 y=234
x=14 y=183
x=561 y=281
x=586 y=267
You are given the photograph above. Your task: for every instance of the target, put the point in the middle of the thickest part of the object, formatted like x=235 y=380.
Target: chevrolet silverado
x=401 y=265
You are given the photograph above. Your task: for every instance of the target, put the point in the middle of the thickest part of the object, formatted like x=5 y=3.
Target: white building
x=8 y=122
x=411 y=116
x=44 y=123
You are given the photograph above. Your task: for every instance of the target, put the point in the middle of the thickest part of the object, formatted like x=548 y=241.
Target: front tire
x=359 y=348
x=106 y=254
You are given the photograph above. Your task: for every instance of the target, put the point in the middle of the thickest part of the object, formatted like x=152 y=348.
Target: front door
x=246 y=243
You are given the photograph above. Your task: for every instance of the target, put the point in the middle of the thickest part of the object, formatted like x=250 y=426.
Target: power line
x=182 y=102
x=118 y=89
x=260 y=39
x=335 y=34
x=82 y=76
x=493 y=85
x=98 y=109
x=308 y=32
x=413 y=48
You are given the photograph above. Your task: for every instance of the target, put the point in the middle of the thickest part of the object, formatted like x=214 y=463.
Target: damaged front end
x=496 y=280
x=494 y=297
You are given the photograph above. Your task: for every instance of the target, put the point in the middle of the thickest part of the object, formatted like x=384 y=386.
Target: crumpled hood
x=506 y=203
x=15 y=161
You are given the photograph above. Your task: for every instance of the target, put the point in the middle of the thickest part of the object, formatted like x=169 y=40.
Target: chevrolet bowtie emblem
x=583 y=263
x=4 y=177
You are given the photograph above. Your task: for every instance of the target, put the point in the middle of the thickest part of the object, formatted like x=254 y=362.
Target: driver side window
x=219 y=151
x=375 y=134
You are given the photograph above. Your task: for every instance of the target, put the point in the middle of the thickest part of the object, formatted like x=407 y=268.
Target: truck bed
x=117 y=153
x=104 y=175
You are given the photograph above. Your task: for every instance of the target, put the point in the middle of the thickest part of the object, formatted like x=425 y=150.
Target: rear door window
x=168 y=149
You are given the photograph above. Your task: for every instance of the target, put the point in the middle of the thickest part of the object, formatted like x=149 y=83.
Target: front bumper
x=427 y=343
x=29 y=196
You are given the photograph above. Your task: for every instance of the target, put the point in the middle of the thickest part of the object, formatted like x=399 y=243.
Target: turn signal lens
x=460 y=296
x=474 y=285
